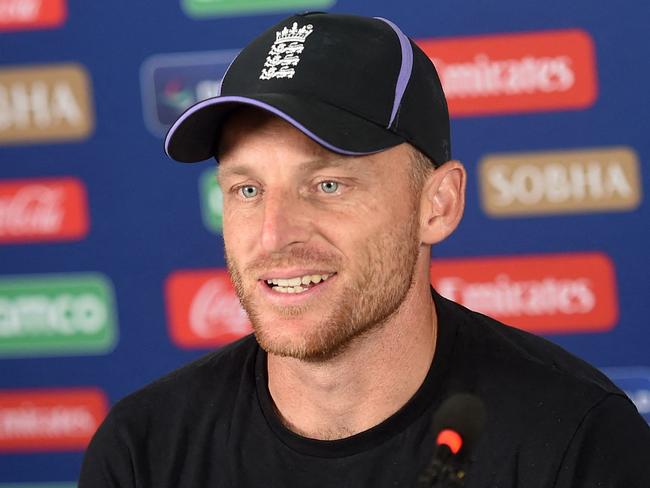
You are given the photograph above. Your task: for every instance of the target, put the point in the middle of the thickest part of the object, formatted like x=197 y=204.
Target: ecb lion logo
x=284 y=54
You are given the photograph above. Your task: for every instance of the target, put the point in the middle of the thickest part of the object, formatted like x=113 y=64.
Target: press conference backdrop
x=111 y=258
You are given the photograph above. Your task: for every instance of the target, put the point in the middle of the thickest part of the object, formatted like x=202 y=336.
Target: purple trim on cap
x=269 y=108
x=405 y=69
x=226 y=72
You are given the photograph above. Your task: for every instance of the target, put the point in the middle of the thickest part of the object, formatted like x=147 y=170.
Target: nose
x=286 y=222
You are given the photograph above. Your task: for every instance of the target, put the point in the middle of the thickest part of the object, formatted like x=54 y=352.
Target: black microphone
x=457 y=426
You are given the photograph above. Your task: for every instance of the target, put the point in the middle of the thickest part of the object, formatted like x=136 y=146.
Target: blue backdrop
x=147 y=219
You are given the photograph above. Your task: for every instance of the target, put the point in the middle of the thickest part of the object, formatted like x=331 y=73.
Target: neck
x=368 y=382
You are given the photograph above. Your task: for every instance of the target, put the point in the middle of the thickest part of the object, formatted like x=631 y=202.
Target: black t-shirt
x=552 y=421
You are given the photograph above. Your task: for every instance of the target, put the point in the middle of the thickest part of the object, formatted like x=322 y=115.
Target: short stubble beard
x=369 y=299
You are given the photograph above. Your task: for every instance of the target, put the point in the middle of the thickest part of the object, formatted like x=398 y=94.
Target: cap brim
x=195 y=135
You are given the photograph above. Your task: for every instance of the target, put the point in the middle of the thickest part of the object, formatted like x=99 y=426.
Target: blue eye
x=248 y=191
x=329 y=186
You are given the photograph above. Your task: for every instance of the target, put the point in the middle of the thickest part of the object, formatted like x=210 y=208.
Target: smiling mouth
x=298 y=284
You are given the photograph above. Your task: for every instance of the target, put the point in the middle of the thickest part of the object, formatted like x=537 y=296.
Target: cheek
x=373 y=223
x=365 y=214
x=238 y=230
x=375 y=216
x=351 y=234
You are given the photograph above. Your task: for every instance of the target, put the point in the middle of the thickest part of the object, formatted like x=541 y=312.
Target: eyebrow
x=305 y=167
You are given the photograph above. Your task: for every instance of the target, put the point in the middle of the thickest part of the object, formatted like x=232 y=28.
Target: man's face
x=321 y=247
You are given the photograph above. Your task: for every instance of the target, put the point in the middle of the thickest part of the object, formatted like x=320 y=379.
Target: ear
x=443 y=202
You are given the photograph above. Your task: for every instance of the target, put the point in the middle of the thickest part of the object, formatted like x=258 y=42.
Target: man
x=332 y=137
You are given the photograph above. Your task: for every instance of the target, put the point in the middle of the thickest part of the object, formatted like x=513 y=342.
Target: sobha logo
x=44 y=103
x=555 y=182
x=56 y=315
x=211 y=8
x=211 y=201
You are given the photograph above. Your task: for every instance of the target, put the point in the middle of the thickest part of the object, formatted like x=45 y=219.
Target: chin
x=291 y=337
x=282 y=332
x=313 y=340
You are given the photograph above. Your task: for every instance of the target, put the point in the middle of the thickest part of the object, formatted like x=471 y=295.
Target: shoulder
x=609 y=448
x=143 y=430
x=543 y=403
x=506 y=352
x=534 y=387
x=214 y=379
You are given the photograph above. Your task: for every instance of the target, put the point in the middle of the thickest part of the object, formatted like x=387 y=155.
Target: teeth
x=298 y=280
x=289 y=281
x=292 y=285
x=283 y=284
x=290 y=289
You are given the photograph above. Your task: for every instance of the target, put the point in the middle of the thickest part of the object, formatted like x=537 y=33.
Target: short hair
x=421 y=168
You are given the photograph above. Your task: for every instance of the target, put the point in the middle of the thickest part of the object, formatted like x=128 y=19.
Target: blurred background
x=111 y=258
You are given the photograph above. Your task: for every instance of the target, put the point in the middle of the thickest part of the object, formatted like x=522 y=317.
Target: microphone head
x=459 y=422
x=451 y=439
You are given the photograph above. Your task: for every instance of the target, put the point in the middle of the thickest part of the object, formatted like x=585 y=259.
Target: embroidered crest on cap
x=284 y=54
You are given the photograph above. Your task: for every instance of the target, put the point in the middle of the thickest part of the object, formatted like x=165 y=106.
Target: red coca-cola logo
x=203 y=309
x=47 y=209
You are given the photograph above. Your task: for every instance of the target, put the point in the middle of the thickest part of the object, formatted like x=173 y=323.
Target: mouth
x=297 y=284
